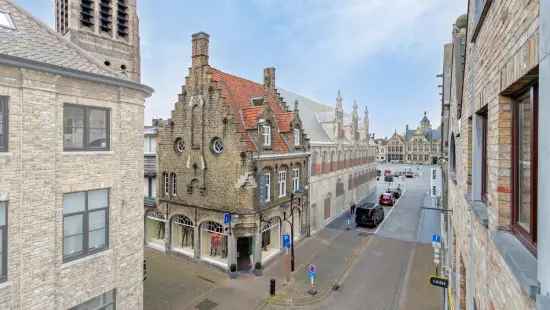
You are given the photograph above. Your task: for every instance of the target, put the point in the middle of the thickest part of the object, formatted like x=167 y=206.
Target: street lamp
x=291 y=222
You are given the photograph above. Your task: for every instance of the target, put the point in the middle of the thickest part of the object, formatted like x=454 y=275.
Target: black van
x=369 y=214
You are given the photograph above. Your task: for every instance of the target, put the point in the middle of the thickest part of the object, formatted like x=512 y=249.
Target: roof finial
x=295 y=105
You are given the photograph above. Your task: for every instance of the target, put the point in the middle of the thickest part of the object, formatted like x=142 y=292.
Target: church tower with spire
x=355 y=122
x=366 y=124
x=107 y=29
x=339 y=117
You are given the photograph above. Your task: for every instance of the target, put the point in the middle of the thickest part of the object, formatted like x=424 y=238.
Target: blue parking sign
x=286 y=241
x=227 y=218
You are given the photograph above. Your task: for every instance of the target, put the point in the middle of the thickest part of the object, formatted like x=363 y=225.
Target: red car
x=387 y=199
x=387 y=173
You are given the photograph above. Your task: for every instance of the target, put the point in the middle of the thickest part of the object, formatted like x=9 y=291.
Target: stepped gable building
x=71 y=134
x=343 y=166
x=497 y=236
x=232 y=148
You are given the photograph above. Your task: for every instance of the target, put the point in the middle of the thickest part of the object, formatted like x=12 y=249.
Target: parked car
x=409 y=174
x=386 y=199
x=388 y=178
x=387 y=173
x=369 y=214
x=378 y=172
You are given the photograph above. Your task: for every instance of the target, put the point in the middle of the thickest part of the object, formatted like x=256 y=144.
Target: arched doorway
x=182 y=235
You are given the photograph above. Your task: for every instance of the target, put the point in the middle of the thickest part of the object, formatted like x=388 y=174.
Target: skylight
x=6 y=21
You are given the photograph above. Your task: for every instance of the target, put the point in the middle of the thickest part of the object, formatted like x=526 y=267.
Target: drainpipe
x=543 y=242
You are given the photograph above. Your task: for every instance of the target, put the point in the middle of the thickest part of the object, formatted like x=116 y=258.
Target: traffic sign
x=227 y=218
x=439 y=281
x=286 y=241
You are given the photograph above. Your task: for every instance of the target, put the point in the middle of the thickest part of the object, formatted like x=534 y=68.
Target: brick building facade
x=232 y=147
x=492 y=160
x=343 y=165
x=71 y=133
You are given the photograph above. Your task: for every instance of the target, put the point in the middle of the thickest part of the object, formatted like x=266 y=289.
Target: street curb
x=284 y=300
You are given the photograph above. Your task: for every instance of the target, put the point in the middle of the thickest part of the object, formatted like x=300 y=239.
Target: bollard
x=272 y=287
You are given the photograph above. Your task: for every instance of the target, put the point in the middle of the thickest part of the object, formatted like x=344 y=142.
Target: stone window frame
x=296 y=179
x=4 y=111
x=281 y=181
x=297 y=137
x=267 y=134
x=4 y=235
x=173 y=184
x=528 y=239
x=107 y=299
x=86 y=128
x=166 y=182
x=86 y=251
x=267 y=184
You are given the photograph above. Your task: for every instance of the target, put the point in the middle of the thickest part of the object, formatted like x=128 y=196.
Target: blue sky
x=385 y=54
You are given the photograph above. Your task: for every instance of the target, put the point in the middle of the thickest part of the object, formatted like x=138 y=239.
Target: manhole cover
x=206 y=304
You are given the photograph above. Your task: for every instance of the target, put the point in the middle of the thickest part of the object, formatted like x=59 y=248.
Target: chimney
x=200 y=49
x=269 y=78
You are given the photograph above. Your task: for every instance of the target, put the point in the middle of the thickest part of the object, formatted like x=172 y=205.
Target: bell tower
x=107 y=29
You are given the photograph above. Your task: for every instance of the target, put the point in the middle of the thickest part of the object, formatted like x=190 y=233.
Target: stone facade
x=107 y=29
x=343 y=166
x=417 y=146
x=492 y=252
x=232 y=147
x=37 y=172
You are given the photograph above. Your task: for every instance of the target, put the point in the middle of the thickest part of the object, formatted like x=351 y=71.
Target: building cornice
x=68 y=72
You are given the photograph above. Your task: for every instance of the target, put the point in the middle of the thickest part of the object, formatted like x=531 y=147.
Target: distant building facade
x=150 y=140
x=71 y=162
x=420 y=145
x=233 y=164
x=343 y=166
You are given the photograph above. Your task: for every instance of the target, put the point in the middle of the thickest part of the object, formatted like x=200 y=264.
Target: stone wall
x=497 y=60
x=36 y=172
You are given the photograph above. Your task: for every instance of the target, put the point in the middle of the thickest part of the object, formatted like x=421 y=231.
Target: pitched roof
x=238 y=93
x=32 y=40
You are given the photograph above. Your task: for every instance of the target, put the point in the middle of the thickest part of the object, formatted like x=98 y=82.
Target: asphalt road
x=393 y=271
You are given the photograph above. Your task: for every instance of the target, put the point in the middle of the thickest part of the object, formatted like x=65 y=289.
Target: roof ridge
x=65 y=41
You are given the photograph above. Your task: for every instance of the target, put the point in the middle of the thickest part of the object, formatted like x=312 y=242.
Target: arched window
x=173 y=183
x=195 y=126
x=324 y=164
x=314 y=163
x=183 y=232
x=166 y=183
x=213 y=241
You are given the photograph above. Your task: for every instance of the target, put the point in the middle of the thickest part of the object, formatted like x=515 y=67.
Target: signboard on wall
x=435 y=183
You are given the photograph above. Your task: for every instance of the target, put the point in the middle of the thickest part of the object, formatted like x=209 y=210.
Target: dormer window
x=266 y=133
x=258 y=101
x=297 y=136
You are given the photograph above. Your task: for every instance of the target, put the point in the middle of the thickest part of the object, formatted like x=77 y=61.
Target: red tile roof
x=238 y=93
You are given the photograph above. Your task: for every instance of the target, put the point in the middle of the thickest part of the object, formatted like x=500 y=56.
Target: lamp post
x=291 y=222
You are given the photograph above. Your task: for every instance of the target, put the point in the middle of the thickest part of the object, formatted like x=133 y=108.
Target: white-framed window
x=85 y=223
x=149 y=144
x=3 y=241
x=166 y=184
x=174 y=184
x=266 y=133
x=282 y=183
x=295 y=179
x=267 y=186
x=297 y=136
